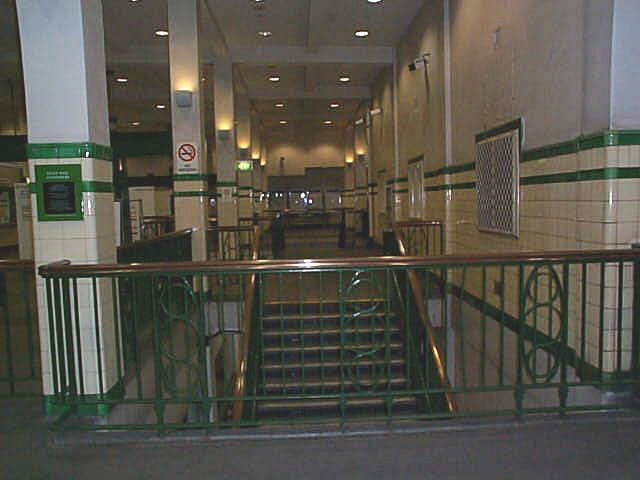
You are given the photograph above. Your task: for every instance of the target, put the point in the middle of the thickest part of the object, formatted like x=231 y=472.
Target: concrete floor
x=590 y=447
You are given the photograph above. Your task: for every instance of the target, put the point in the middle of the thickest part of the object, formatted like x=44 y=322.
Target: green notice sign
x=59 y=192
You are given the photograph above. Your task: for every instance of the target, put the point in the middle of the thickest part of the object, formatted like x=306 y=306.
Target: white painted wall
x=625 y=71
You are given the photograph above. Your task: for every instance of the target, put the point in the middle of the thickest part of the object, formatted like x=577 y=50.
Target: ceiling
x=312 y=43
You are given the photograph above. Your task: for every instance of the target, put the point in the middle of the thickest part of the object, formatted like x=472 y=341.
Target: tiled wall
x=91 y=240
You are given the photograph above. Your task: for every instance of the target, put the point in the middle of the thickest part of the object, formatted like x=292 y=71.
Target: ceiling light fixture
x=161 y=106
x=283 y=122
x=122 y=79
x=135 y=124
x=264 y=33
x=161 y=33
x=274 y=78
x=362 y=33
x=374 y=1
x=345 y=78
x=279 y=105
x=334 y=105
x=328 y=122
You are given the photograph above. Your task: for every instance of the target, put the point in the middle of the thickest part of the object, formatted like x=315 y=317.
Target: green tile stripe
x=500 y=129
x=397 y=180
x=190 y=194
x=612 y=173
x=401 y=190
x=226 y=184
x=87 y=187
x=245 y=188
x=37 y=151
x=191 y=177
x=608 y=138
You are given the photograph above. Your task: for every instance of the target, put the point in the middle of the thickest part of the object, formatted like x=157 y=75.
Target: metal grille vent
x=498 y=182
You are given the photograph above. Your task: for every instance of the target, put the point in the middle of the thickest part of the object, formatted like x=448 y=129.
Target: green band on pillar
x=69 y=150
x=190 y=194
x=190 y=177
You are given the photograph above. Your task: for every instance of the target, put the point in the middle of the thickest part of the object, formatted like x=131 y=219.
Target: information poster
x=59 y=192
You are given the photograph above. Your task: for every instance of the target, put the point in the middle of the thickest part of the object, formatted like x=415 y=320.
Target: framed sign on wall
x=59 y=192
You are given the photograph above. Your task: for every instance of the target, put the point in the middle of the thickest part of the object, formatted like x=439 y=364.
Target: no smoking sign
x=187 y=158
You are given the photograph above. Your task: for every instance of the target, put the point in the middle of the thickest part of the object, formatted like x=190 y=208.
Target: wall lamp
x=184 y=98
x=224 y=134
x=420 y=63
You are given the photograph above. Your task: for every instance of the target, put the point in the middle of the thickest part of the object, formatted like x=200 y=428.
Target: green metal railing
x=230 y=243
x=422 y=238
x=157 y=226
x=19 y=337
x=170 y=247
x=353 y=340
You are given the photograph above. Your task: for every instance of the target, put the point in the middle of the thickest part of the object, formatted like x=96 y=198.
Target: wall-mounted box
x=59 y=192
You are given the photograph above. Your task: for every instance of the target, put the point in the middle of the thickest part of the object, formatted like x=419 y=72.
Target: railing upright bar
x=4 y=295
x=583 y=326
x=519 y=387
x=79 y=352
x=619 y=322
x=30 y=334
x=564 y=337
x=98 y=336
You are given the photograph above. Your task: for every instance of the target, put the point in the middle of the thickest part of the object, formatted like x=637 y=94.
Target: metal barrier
x=230 y=243
x=19 y=337
x=422 y=238
x=154 y=227
x=358 y=340
x=172 y=247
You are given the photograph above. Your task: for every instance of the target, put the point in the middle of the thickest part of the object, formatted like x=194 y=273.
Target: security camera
x=420 y=63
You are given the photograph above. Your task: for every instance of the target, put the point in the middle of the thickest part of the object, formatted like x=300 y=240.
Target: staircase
x=313 y=352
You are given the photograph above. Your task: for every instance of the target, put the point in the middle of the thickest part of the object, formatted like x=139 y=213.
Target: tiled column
x=63 y=63
x=225 y=143
x=256 y=178
x=189 y=165
x=243 y=134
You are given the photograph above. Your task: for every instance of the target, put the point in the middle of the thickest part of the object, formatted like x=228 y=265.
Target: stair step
x=319 y=316
x=329 y=331
x=331 y=384
x=310 y=405
x=328 y=348
x=394 y=362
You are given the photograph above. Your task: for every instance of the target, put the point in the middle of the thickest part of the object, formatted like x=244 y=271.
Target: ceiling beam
x=301 y=55
x=320 y=93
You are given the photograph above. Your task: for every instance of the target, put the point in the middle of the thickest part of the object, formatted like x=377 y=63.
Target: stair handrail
x=416 y=289
x=240 y=375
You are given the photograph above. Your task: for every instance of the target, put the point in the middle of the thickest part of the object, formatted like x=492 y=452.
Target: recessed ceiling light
x=362 y=33
x=264 y=33
x=328 y=122
x=161 y=106
x=122 y=79
x=135 y=124
x=283 y=122
x=161 y=33
x=279 y=105
x=134 y=1
x=345 y=78
x=335 y=105
x=374 y=1
x=274 y=78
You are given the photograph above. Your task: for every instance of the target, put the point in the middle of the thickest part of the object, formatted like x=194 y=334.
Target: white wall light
x=184 y=98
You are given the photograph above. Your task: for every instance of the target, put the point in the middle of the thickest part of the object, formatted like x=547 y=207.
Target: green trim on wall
x=397 y=180
x=245 y=188
x=226 y=184
x=53 y=408
x=86 y=186
x=401 y=190
x=96 y=187
x=451 y=186
x=190 y=194
x=467 y=167
x=191 y=177
x=500 y=129
x=36 y=151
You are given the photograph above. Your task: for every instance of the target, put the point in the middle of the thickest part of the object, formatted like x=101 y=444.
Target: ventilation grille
x=498 y=182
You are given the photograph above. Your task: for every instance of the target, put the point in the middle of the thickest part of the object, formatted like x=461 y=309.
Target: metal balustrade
x=422 y=238
x=19 y=338
x=259 y=342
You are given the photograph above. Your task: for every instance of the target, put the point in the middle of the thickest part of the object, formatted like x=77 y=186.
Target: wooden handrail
x=240 y=382
x=416 y=289
x=251 y=266
x=160 y=238
x=15 y=264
